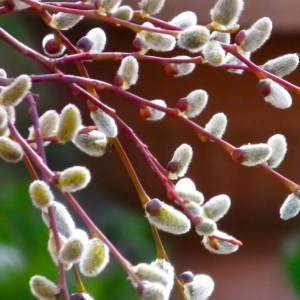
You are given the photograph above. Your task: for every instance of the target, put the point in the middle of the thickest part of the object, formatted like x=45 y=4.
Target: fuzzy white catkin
x=154 y=291
x=200 y=288
x=227 y=12
x=193 y=38
x=217 y=125
x=151 y=7
x=43 y=288
x=278 y=96
x=159 y=42
x=74 y=179
x=73 y=247
x=63 y=220
x=213 y=53
x=110 y=5
x=14 y=93
x=290 y=207
x=104 y=123
x=93 y=143
x=167 y=218
x=151 y=273
x=94 y=258
x=128 y=71
x=256 y=35
x=182 y=157
x=216 y=207
x=186 y=189
x=123 y=12
x=52 y=249
x=196 y=102
x=255 y=154
x=69 y=123
x=40 y=194
x=184 y=20
x=282 y=65
x=164 y=265
x=206 y=227
x=3 y=118
x=221 y=245
x=64 y=21
x=181 y=69
x=98 y=39
x=278 y=145
x=48 y=123
x=10 y=151
x=222 y=37
x=155 y=114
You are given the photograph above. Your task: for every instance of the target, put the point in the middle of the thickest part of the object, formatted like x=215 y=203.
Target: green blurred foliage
x=291 y=262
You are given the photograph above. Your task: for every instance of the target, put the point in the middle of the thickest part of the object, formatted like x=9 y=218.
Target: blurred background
x=266 y=267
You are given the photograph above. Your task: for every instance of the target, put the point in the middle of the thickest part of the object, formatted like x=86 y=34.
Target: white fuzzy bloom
x=52 y=249
x=93 y=143
x=72 y=250
x=181 y=69
x=200 y=288
x=152 y=114
x=278 y=145
x=217 y=125
x=128 y=72
x=104 y=123
x=152 y=7
x=154 y=291
x=48 y=125
x=278 y=95
x=226 y=12
x=213 y=53
x=282 y=65
x=220 y=243
x=64 y=21
x=159 y=42
x=180 y=161
x=216 y=207
x=3 y=118
x=185 y=189
x=222 y=37
x=185 y=20
x=49 y=43
x=206 y=226
x=63 y=220
x=124 y=12
x=196 y=102
x=10 y=151
x=40 y=194
x=166 y=218
x=253 y=154
x=256 y=35
x=110 y=5
x=69 y=123
x=74 y=179
x=43 y=288
x=151 y=273
x=164 y=265
x=290 y=207
x=94 y=259
x=193 y=38
x=97 y=37
x=14 y=93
